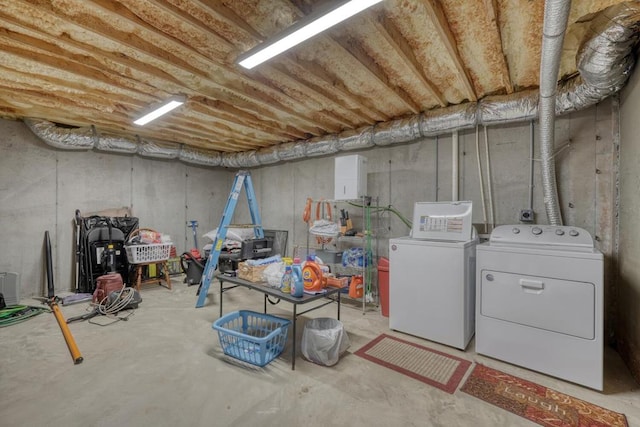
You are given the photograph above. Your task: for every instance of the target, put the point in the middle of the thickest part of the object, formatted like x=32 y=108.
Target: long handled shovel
x=52 y=301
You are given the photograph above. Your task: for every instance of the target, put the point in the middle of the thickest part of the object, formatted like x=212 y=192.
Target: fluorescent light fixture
x=172 y=103
x=301 y=31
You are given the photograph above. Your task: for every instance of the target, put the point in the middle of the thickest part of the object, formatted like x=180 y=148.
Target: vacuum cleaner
x=192 y=263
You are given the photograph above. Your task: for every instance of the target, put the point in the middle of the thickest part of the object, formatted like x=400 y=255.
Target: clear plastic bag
x=324 y=340
x=273 y=274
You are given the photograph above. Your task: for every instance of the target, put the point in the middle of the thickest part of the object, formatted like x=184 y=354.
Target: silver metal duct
x=556 y=15
x=604 y=62
x=267 y=156
x=156 y=150
x=516 y=107
x=61 y=137
x=322 y=146
x=116 y=144
x=356 y=139
x=292 y=150
x=446 y=120
x=240 y=160
x=199 y=157
x=396 y=131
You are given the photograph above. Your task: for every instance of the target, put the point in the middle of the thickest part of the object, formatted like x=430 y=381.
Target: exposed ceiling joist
x=440 y=22
x=102 y=62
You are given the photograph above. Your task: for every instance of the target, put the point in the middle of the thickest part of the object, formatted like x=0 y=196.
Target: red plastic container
x=383 y=285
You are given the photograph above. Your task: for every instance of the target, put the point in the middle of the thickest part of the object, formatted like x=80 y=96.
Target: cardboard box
x=251 y=273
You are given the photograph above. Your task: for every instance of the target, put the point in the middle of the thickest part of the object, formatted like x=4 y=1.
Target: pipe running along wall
x=556 y=14
x=604 y=61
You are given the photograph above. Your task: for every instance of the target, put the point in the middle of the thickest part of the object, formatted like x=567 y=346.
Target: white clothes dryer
x=539 y=301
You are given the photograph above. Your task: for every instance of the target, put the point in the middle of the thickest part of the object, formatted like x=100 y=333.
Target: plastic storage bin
x=155 y=252
x=383 y=285
x=252 y=337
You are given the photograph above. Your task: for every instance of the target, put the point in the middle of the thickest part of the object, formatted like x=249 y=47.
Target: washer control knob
x=573 y=233
x=560 y=232
x=536 y=230
x=516 y=230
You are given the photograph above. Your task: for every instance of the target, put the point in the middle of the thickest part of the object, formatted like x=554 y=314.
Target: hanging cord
x=368 y=252
x=389 y=208
x=110 y=309
x=486 y=142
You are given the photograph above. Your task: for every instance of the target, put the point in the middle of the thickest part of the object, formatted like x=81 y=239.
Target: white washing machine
x=539 y=301
x=432 y=275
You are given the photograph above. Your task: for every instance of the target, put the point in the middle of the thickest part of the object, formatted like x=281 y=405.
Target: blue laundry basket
x=252 y=337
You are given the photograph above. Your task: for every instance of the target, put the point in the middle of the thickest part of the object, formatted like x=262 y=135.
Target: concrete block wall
x=627 y=320
x=41 y=188
x=403 y=174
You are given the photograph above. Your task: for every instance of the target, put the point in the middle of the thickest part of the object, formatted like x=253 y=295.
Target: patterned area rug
x=438 y=369
x=537 y=403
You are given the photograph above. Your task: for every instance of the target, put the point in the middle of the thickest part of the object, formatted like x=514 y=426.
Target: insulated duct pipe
x=455 y=160
x=481 y=179
x=531 y=154
x=556 y=14
x=604 y=61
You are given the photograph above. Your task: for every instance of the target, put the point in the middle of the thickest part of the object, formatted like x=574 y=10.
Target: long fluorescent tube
x=302 y=31
x=171 y=104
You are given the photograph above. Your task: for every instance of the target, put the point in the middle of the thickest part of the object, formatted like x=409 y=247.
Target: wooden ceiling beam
x=228 y=16
x=260 y=102
x=331 y=87
x=113 y=122
x=353 y=49
x=331 y=122
x=441 y=25
x=279 y=78
x=492 y=15
x=283 y=74
x=396 y=40
x=92 y=70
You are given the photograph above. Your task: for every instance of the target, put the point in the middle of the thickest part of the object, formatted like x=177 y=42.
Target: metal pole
x=53 y=304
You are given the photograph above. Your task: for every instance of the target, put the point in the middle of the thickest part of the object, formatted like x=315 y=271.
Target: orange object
x=356 y=287
x=337 y=282
x=312 y=277
x=383 y=285
x=66 y=333
x=327 y=213
x=306 y=214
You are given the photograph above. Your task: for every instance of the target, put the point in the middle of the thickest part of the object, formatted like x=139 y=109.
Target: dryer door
x=562 y=306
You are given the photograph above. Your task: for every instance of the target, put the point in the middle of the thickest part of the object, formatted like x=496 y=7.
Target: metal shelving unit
x=367 y=205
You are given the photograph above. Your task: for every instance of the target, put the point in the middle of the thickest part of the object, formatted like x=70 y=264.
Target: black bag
x=2 y=303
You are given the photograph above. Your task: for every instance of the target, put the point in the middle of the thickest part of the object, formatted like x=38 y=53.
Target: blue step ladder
x=242 y=179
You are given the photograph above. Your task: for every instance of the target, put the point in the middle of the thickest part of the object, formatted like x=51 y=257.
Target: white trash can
x=324 y=340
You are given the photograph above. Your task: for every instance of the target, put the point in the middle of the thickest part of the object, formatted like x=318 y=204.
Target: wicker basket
x=252 y=273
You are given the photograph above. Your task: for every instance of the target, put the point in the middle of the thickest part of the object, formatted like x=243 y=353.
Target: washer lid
x=451 y=221
x=556 y=236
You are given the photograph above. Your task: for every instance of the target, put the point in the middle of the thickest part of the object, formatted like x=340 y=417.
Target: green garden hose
x=18 y=313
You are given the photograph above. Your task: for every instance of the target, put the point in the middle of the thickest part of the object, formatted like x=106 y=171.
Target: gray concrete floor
x=164 y=367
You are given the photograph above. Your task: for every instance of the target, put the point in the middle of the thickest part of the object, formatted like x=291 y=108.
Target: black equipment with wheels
x=100 y=248
x=192 y=267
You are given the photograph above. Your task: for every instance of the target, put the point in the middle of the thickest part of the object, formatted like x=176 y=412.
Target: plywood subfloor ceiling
x=103 y=62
